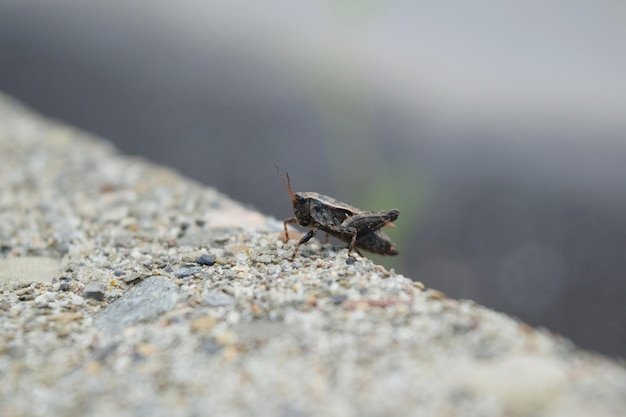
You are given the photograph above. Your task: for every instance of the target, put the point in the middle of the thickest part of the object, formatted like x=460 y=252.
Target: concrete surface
x=126 y=289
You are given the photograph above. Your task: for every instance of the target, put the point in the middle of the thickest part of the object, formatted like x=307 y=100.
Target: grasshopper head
x=302 y=208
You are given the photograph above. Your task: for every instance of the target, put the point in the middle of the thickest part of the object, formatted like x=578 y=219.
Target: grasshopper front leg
x=289 y=220
x=304 y=239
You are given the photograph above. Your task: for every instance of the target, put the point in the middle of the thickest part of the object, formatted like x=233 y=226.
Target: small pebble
x=419 y=285
x=350 y=260
x=205 y=259
x=338 y=299
x=266 y=259
x=135 y=276
x=435 y=295
x=94 y=290
x=220 y=239
x=185 y=272
x=43 y=300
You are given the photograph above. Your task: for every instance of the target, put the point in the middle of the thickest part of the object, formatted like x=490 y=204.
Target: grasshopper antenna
x=286 y=183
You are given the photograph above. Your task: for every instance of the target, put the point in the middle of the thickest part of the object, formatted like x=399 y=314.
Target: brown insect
x=360 y=229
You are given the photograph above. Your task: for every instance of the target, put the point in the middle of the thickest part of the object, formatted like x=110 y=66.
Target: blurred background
x=498 y=129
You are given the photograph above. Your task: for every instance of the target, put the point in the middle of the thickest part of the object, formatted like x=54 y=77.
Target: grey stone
x=133 y=276
x=338 y=299
x=185 y=272
x=94 y=290
x=144 y=302
x=206 y=260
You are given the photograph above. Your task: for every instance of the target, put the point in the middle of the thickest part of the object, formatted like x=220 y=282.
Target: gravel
x=196 y=310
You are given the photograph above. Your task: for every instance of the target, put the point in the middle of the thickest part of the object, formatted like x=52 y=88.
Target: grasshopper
x=360 y=229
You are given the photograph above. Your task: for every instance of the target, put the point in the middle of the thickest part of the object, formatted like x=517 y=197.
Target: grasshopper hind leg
x=352 y=241
x=351 y=259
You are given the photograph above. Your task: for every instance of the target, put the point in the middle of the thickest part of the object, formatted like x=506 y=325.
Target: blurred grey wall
x=497 y=129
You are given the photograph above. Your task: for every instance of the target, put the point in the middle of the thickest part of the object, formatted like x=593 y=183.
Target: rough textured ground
x=126 y=289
